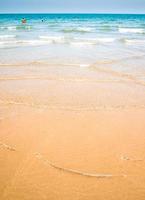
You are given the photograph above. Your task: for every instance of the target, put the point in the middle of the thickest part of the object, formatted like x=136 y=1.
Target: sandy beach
x=72 y=138
x=72 y=107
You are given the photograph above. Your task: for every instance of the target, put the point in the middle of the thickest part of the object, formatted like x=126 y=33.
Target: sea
x=111 y=43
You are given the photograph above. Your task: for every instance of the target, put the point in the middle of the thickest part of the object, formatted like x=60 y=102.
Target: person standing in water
x=24 y=21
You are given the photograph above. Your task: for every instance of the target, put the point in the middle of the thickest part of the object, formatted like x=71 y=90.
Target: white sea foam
x=131 y=30
x=76 y=40
x=33 y=42
x=105 y=40
x=2 y=28
x=91 y=41
x=135 y=41
x=85 y=29
x=84 y=65
x=5 y=37
x=53 y=39
x=11 y=28
x=77 y=43
x=78 y=29
x=18 y=27
x=8 y=40
x=17 y=43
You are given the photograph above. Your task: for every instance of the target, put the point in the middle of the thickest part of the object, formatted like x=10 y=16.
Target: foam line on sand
x=5 y=146
x=125 y=158
x=77 y=172
x=73 y=171
x=72 y=108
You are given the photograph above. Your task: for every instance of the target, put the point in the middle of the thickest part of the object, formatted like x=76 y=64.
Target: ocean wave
x=134 y=41
x=53 y=39
x=82 y=43
x=18 y=43
x=5 y=37
x=2 y=27
x=11 y=28
x=76 y=40
x=106 y=40
x=9 y=40
x=18 y=27
x=80 y=30
x=24 y=27
x=32 y=42
x=8 y=28
x=106 y=27
x=91 y=41
x=131 y=30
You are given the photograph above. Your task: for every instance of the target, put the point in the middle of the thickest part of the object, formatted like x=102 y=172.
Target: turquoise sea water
x=72 y=38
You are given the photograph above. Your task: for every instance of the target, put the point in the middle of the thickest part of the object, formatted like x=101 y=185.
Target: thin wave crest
x=78 y=30
x=115 y=73
x=134 y=41
x=6 y=37
x=131 y=30
x=19 y=43
x=92 y=41
x=53 y=39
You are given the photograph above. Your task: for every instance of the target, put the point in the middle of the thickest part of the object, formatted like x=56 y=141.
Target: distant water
x=72 y=38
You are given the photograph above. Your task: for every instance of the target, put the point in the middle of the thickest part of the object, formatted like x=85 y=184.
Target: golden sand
x=74 y=135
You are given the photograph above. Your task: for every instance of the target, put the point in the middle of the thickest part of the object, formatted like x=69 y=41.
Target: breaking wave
x=8 y=41
x=14 y=28
x=53 y=39
x=91 y=41
x=78 y=30
x=18 y=43
x=6 y=37
x=134 y=41
x=131 y=30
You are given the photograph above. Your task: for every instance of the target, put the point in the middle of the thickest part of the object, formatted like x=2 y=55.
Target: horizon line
x=1 y=13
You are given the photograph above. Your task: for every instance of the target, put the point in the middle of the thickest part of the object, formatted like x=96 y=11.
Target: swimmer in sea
x=24 y=21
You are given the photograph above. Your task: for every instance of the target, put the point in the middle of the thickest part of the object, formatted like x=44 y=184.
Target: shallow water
x=74 y=39
x=82 y=37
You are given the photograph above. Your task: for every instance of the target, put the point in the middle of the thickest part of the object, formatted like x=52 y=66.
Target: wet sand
x=71 y=133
